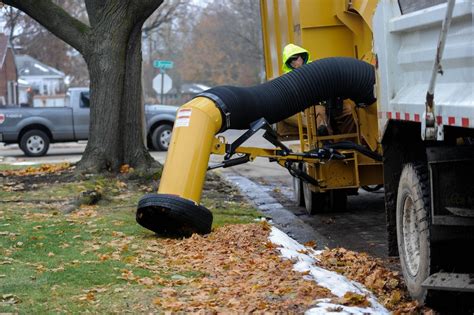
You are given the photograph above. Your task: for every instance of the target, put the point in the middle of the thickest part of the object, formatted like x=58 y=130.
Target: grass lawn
x=62 y=251
x=96 y=257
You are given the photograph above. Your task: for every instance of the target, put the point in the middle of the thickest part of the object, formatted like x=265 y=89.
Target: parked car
x=34 y=128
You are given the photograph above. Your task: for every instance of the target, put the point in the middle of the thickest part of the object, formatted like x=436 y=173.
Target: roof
x=29 y=66
x=3 y=48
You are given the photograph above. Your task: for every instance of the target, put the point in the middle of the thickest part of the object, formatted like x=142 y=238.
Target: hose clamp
x=221 y=106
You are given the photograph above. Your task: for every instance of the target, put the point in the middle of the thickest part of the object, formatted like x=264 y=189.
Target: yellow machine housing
x=326 y=28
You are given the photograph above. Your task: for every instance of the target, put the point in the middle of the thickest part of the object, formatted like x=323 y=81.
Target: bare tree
x=167 y=32
x=18 y=24
x=111 y=45
x=28 y=37
x=226 y=45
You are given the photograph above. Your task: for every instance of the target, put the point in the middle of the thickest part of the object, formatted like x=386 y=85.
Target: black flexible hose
x=295 y=91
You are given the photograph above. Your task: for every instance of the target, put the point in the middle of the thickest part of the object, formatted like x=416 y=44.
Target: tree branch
x=94 y=10
x=56 y=20
x=164 y=15
x=145 y=8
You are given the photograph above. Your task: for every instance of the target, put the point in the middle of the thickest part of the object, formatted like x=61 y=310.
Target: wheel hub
x=35 y=144
x=165 y=138
x=410 y=236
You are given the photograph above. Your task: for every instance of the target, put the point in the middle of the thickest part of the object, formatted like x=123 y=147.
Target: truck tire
x=372 y=188
x=413 y=228
x=338 y=200
x=34 y=143
x=298 y=195
x=315 y=202
x=161 y=138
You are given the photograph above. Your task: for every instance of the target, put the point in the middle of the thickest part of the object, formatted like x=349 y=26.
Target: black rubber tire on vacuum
x=172 y=215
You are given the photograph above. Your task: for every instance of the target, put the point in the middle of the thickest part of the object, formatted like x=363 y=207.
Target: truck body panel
x=80 y=117
x=325 y=28
x=406 y=49
x=57 y=120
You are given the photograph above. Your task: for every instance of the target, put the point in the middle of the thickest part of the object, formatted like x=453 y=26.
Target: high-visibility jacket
x=291 y=50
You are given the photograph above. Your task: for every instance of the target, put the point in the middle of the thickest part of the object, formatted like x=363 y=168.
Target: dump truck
x=407 y=68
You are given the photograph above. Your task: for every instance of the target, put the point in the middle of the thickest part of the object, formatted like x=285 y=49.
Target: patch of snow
x=336 y=283
x=24 y=163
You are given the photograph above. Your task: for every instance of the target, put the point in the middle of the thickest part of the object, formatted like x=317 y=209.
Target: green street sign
x=163 y=64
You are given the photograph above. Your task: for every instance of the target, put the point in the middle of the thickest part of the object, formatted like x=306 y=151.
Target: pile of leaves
x=386 y=284
x=243 y=272
x=42 y=169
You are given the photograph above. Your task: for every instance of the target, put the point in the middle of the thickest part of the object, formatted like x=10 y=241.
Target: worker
x=295 y=57
x=340 y=110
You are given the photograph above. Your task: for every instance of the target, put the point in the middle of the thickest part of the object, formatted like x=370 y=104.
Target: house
x=8 y=73
x=45 y=83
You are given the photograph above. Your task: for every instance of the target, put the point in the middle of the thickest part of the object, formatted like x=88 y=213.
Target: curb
x=281 y=217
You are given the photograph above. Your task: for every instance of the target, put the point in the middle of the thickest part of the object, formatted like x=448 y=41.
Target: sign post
x=162 y=65
x=162 y=84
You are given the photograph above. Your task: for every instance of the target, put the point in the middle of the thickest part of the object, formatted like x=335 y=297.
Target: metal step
x=450 y=282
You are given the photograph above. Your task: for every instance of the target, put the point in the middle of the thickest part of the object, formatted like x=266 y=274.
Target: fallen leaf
x=146 y=281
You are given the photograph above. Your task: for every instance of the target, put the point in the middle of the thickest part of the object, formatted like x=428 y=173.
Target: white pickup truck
x=35 y=128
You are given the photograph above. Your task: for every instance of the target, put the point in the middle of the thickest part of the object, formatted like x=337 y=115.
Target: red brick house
x=8 y=73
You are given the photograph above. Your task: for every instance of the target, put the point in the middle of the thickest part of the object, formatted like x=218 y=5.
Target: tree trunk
x=133 y=112
x=115 y=134
x=111 y=46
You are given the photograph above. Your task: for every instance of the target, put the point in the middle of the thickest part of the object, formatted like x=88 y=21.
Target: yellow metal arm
x=219 y=148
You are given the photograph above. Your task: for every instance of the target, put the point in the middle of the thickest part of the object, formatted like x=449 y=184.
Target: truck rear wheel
x=315 y=202
x=338 y=200
x=161 y=138
x=372 y=188
x=413 y=228
x=34 y=143
x=298 y=195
